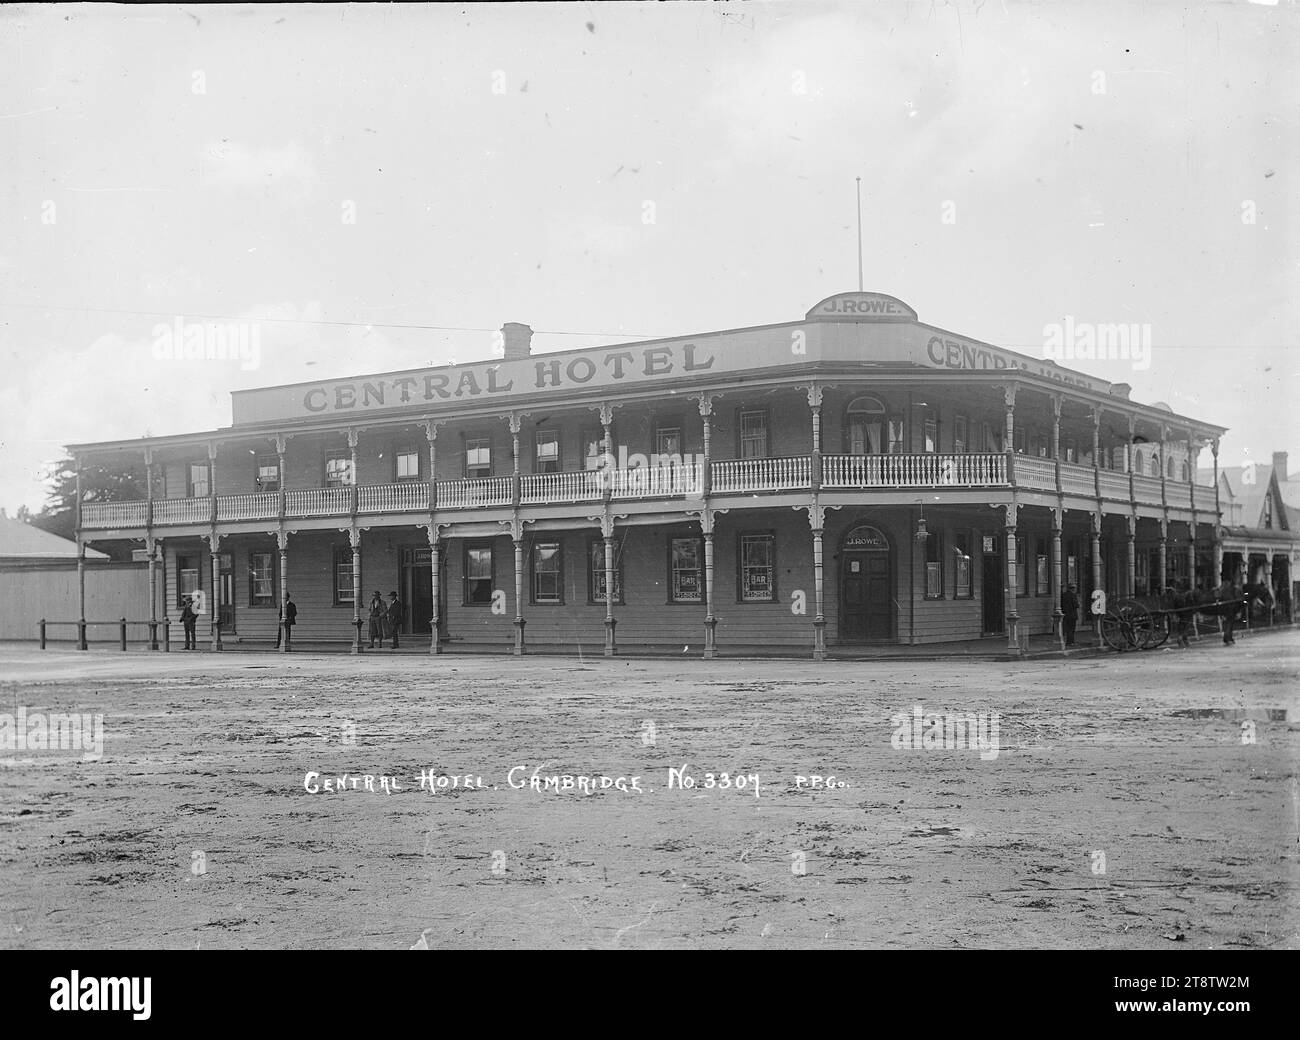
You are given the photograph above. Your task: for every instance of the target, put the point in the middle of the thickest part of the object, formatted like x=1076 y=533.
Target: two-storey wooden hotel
x=855 y=478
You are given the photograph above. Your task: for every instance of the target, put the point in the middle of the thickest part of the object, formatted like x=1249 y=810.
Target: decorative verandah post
x=435 y=544
x=1013 y=617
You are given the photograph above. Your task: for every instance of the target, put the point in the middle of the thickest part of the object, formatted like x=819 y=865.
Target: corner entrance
x=867 y=612
x=991 y=575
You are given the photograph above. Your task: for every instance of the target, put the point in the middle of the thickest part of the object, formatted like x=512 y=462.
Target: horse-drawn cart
x=1146 y=623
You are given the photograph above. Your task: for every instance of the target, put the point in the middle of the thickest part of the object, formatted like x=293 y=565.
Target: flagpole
x=859 y=180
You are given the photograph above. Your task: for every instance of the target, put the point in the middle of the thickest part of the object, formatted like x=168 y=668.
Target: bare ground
x=923 y=848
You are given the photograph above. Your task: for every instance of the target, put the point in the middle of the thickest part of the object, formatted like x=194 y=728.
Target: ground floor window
x=188 y=571
x=596 y=570
x=934 y=566
x=343 y=577
x=261 y=579
x=686 y=570
x=1042 y=568
x=961 y=588
x=757 y=568
x=548 y=581
x=479 y=565
x=1022 y=566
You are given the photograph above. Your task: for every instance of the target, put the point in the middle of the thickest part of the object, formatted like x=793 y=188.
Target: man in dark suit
x=393 y=617
x=1069 y=613
x=288 y=618
x=189 y=620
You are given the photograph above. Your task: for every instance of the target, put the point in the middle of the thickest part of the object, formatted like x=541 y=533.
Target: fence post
x=167 y=634
x=42 y=633
x=124 y=634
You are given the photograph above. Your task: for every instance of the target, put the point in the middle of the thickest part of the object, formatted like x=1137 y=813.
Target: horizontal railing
x=1114 y=484
x=1034 y=472
x=264 y=505
x=182 y=511
x=658 y=482
x=408 y=497
x=331 y=501
x=1076 y=479
x=930 y=470
x=478 y=491
x=558 y=488
x=114 y=514
x=768 y=474
x=1146 y=490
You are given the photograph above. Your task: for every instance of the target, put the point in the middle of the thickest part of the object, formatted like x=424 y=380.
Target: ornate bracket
x=606 y=411
x=516 y=421
x=707 y=516
x=816 y=514
x=214 y=542
x=516 y=525
x=705 y=401
x=431 y=429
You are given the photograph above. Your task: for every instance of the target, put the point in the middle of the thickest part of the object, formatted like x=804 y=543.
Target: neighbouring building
x=854 y=478
x=40 y=576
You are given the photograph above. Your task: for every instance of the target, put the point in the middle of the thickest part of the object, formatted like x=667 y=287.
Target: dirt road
x=1095 y=808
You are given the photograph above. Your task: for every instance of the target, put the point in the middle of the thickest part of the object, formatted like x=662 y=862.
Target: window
x=960 y=434
x=406 y=464
x=1072 y=564
x=1042 y=572
x=1268 y=512
x=894 y=434
x=1155 y=464
x=478 y=457
x=1071 y=451
x=865 y=426
x=593 y=446
x=200 y=486
x=930 y=432
x=188 y=572
x=268 y=473
x=753 y=435
x=992 y=437
x=1022 y=566
x=1141 y=572
x=596 y=570
x=548 y=451
x=338 y=470
x=343 y=577
x=1018 y=440
x=668 y=442
x=548 y=583
x=934 y=566
x=961 y=588
x=1185 y=473
x=478 y=574
x=261 y=579
x=757 y=568
x=1169 y=469
x=1041 y=444
x=686 y=567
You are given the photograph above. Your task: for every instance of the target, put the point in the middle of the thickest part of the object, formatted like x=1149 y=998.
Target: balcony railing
x=1114 y=484
x=1034 y=472
x=1146 y=490
x=478 y=491
x=264 y=505
x=930 y=470
x=773 y=474
x=552 y=488
x=114 y=514
x=182 y=511
x=658 y=482
x=1075 y=479
x=408 y=497
x=331 y=501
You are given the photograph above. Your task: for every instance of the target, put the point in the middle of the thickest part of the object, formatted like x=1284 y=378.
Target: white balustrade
x=264 y=505
x=182 y=511
x=659 y=481
x=557 y=488
x=983 y=469
x=331 y=501
x=769 y=474
x=1077 y=480
x=410 y=496
x=477 y=491
x=1146 y=490
x=1034 y=472
x=1114 y=484
x=114 y=514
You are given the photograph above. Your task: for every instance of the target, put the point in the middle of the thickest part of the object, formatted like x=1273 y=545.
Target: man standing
x=1233 y=596
x=189 y=620
x=1069 y=613
x=288 y=618
x=394 y=617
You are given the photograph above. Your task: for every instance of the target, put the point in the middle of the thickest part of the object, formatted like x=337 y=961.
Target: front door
x=226 y=591
x=417 y=592
x=994 y=620
x=866 y=592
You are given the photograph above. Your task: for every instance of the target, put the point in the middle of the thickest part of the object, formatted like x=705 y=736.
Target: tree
x=99 y=483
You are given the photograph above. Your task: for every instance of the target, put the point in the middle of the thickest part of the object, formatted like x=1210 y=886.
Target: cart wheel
x=1114 y=631
x=1164 y=625
x=1139 y=625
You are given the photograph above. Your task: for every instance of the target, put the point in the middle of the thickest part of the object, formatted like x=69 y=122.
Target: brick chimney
x=1280 y=465
x=518 y=340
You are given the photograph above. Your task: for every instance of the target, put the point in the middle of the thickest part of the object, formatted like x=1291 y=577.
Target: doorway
x=417 y=592
x=991 y=583
x=867 y=612
x=226 y=591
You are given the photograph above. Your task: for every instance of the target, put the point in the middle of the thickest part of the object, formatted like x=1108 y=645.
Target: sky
x=605 y=172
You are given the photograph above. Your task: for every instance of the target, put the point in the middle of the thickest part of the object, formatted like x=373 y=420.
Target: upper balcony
x=667 y=482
